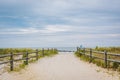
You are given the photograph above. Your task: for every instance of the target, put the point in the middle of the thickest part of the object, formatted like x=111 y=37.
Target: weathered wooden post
x=80 y=51
x=43 y=51
x=11 y=61
x=105 y=58
x=90 y=55
x=27 y=58
x=84 y=51
x=36 y=54
x=77 y=49
x=53 y=50
x=48 y=49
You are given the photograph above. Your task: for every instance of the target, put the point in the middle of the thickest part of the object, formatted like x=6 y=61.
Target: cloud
x=62 y=21
x=60 y=7
x=19 y=31
x=56 y=28
x=48 y=29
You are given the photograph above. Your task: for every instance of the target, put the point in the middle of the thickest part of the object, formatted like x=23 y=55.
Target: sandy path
x=60 y=67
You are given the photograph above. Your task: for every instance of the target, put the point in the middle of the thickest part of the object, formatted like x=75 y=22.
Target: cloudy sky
x=59 y=23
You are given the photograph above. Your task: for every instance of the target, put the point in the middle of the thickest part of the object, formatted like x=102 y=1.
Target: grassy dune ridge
x=14 y=50
x=109 y=49
x=21 y=64
x=98 y=62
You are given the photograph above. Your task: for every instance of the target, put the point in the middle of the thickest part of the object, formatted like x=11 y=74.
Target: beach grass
x=22 y=63
x=98 y=62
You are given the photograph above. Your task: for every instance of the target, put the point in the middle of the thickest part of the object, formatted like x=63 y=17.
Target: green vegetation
x=109 y=49
x=50 y=52
x=32 y=55
x=14 y=50
x=99 y=62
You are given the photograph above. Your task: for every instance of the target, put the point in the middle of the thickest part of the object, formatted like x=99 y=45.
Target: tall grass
x=109 y=49
x=21 y=64
x=14 y=50
x=98 y=62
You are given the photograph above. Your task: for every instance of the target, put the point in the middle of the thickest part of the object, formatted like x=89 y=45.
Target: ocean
x=60 y=48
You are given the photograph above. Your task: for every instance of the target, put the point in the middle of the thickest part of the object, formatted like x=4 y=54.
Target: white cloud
x=29 y=30
x=61 y=7
x=56 y=28
x=71 y=21
x=48 y=29
x=18 y=31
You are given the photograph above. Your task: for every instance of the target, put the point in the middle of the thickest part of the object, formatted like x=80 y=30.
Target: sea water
x=59 y=48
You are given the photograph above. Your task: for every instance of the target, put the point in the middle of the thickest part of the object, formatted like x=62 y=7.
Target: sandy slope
x=60 y=67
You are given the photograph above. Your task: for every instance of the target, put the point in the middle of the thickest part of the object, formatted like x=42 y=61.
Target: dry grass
x=98 y=62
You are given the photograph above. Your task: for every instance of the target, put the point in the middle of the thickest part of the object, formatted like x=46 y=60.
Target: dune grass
x=98 y=62
x=109 y=49
x=22 y=63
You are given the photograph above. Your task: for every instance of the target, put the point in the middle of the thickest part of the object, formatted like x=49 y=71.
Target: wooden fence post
x=77 y=48
x=105 y=58
x=27 y=58
x=36 y=54
x=84 y=51
x=48 y=49
x=11 y=61
x=53 y=50
x=43 y=51
x=90 y=55
x=80 y=51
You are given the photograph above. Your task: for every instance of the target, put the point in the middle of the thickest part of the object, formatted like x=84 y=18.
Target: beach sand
x=64 y=66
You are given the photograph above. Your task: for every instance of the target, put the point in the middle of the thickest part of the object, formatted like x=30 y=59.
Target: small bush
x=115 y=65
x=98 y=62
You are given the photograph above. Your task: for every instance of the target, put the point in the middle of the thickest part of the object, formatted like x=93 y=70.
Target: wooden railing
x=25 y=57
x=105 y=55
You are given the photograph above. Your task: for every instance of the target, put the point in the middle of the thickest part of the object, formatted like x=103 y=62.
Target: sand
x=64 y=66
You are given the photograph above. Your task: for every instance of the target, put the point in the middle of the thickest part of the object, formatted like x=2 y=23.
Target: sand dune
x=60 y=67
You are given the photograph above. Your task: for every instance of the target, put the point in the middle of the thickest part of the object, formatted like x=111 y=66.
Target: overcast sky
x=59 y=23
